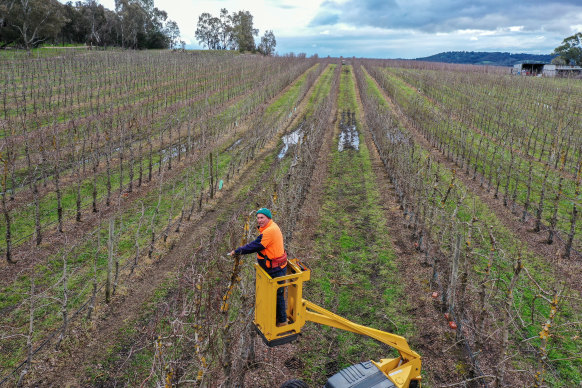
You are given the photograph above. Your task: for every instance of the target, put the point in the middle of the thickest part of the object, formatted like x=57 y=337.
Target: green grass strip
x=355 y=275
x=565 y=341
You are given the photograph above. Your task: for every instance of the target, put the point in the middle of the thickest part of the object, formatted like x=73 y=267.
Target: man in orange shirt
x=271 y=255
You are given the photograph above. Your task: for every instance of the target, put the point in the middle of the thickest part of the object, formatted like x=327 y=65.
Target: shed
x=562 y=71
x=528 y=69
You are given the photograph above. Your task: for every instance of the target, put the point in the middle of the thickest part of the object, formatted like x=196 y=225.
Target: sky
x=393 y=28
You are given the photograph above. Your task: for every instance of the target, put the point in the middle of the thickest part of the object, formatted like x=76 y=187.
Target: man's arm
x=253 y=246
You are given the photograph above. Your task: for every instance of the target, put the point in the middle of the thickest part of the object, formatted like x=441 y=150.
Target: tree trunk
x=506 y=322
x=541 y=203
x=554 y=219
x=451 y=290
x=528 y=194
x=29 y=338
x=109 y=261
x=8 y=225
x=65 y=302
x=108 y=170
x=480 y=325
x=131 y=167
x=509 y=172
x=140 y=164
x=94 y=184
x=544 y=337
x=211 y=170
x=570 y=241
x=94 y=292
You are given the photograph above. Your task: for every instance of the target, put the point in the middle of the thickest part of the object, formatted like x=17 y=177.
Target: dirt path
x=285 y=362
x=568 y=270
x=92 y=346
x=433 y=336
x=288 y=361
x=27 y=254
x=491 y=138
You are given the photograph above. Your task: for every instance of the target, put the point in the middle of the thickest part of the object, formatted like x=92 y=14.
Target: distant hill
x=487 y=58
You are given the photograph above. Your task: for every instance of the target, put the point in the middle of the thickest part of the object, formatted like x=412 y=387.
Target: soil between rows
x=285 y=362
x=568 y=270
x=433 y=339
x=433 y=335
x=89 y=348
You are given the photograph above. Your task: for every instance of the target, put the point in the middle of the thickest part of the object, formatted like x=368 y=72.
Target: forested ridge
x=495 y=58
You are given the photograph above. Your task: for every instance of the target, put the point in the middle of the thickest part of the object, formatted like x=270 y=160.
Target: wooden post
x=109 y=261
x=501 y=366
x=454 y=275
x=211 y=178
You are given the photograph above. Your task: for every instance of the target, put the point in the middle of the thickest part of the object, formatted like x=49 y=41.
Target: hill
x=496 y=58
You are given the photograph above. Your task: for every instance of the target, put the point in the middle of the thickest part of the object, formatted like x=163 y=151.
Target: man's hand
x=231 y=253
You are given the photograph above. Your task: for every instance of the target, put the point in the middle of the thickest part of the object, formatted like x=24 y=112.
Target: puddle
x=396 y=137
x=291 y=139
x=172 y=152
x=348 y=138
x=233 y=146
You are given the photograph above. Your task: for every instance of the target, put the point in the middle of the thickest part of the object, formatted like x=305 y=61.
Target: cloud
x=278 y=4
x=405 y=28
x=325 y=19
x=451 y=15
x=373 y=42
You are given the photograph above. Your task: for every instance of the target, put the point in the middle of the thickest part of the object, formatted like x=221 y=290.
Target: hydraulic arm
x=402 y=371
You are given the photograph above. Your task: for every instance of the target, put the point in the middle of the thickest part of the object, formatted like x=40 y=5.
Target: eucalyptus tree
x=268 y=43
x=30 y=22
x=243 y=32
x=571 y=49
x=208 y=31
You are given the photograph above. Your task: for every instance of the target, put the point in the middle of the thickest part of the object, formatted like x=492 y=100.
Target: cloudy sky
x=394 y=28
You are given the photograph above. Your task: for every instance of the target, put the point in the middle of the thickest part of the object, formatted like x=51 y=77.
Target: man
x=271 y=255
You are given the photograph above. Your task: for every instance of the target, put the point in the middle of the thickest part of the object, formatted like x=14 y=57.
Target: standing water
x=290 y=139
x=348 y=137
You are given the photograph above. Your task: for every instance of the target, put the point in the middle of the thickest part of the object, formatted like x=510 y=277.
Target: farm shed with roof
x=547 y=70
x=562 y=71
x=527 y=68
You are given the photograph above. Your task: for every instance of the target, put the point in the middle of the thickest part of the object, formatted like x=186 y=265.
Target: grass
x=290 y=98
x=322 y=88
x=354 y=275
x=407 y=97
x=269 y=166
x=566 y=370
x=48 y=273
x=127 y=331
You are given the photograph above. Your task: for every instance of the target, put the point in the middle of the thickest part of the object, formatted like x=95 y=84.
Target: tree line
x=234 y=32
x=135 y=24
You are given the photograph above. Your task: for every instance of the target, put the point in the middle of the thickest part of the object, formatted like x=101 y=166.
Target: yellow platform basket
x=266 y=305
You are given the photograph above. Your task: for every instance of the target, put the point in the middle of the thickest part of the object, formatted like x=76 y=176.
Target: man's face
x=262 y=220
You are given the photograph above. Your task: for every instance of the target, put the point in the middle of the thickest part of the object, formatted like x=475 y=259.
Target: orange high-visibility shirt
x=272 y=241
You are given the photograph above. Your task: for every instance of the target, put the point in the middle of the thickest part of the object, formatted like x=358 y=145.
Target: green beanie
x=265 y=211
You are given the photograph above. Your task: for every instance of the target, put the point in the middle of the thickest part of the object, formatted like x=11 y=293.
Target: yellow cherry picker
x=400 y=372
